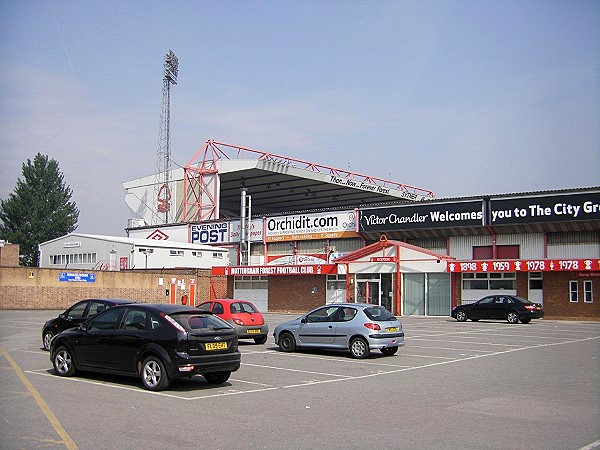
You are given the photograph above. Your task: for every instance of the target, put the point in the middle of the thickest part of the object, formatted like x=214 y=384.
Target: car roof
x=356 y=305
x=166 y=308
x=229 y=300
x=111 y=301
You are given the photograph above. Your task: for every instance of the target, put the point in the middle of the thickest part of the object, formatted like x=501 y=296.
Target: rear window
x=200 y=322
x=379 y=314
x=242 y=307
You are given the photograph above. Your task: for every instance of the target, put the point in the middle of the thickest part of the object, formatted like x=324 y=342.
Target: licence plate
x=253 y=331
x=391 y=329
x=215 y=345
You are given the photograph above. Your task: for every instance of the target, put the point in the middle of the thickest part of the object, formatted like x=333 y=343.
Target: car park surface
x=454 y=385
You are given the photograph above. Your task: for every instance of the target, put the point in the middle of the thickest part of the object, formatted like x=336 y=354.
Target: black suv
x=157 y=342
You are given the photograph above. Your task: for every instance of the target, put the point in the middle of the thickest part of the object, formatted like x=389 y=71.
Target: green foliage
x=40 y=209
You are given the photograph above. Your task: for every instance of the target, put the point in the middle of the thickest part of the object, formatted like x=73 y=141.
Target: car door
x=501 y=306
x=92 y=347
x=318 y=327
x=73 y=316
x=128 y=340
x=483 y=308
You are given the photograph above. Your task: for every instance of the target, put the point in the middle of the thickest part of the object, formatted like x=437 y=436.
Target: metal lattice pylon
x=162 y=185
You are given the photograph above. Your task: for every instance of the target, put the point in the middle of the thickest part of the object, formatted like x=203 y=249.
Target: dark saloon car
x=501 y=307
x=157 y=342
x=76 y=314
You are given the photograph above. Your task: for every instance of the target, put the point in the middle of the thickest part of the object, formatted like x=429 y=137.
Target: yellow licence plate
x=215 y=345
x=391 y=329
x=253 y=331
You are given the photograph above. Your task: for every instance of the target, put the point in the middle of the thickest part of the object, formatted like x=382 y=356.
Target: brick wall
x=9 y=255
x=35 y=288
x=296 y=293
x=557 y=304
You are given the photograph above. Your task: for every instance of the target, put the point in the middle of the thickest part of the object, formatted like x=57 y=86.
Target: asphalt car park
x=485 y=384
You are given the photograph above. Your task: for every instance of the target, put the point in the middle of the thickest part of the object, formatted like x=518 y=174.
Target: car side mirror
x=304 y=320
x=62 y=315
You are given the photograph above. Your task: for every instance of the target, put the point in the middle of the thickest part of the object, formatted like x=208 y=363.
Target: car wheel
x=359 y=348
x=63 y=362
x=261 y=339
x=461 y=315
x=525 y=320
x=389 y=351
x=154 y=374
x=217 y=377
x=287 y=343
x=512 y=317
x=48 y=335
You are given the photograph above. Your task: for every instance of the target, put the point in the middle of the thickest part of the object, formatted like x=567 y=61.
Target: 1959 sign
x=534 y=265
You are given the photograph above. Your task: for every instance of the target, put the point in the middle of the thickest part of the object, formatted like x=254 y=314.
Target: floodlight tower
x=162 y=185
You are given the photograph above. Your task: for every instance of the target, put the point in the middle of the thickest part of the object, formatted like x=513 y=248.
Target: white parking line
x=463 y=342
x=449 y=348
x=296 y=370
x=339 y=378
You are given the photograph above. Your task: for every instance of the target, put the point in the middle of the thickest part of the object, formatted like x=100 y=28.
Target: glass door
x=367 y=291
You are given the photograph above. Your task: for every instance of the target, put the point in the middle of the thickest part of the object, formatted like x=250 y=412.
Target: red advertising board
x=525 y=265
x=303 y=269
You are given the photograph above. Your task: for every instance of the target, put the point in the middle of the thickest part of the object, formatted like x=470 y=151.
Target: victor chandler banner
x=427 y=215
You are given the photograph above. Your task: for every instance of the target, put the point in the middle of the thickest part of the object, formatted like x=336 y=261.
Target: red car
x=241 y=315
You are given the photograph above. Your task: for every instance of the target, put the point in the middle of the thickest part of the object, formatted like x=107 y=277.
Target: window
x=335 y=282
x=535 y=280
x=197 y=254
x=502 y=252
x=76 y=312
x=175 y=252
x=78 y=258
x=490 y=280
x=573 y=292
x=106 y=320
x=218 y=255
x=322 y=315
x=251 y=282
x=135 y=320
x=587 y=292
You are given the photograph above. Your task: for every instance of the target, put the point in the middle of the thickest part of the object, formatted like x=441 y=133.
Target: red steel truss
x=200 y=184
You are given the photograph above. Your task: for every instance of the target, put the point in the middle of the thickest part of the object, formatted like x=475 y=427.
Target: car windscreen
x=200 y=322
x=524 y=300
x=379 y=314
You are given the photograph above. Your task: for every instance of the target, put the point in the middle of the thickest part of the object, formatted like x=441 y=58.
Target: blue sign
x=79 y=277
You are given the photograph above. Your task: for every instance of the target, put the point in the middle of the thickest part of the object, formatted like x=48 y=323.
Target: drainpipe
x=494 y=248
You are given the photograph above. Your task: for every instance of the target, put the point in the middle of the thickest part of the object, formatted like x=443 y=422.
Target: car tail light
x=530 y=307
x=238 y=322
x=173 y=322
x=372 y=326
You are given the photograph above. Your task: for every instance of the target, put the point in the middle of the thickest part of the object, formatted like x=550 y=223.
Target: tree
x=40 y=208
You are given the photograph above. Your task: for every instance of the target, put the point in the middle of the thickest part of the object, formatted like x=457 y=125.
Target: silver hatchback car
x=358 y=327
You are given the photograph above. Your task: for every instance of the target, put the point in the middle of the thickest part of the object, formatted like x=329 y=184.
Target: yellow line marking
x=66 y=439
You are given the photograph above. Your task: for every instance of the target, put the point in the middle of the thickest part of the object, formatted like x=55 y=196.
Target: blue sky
x=459 y=97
